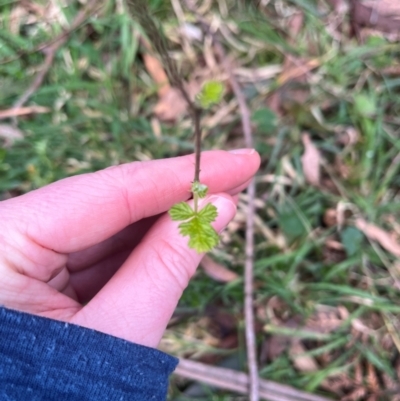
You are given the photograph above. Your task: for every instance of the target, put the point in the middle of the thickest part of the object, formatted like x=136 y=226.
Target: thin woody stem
x=197 y=143
x=139 y=9
x=196 y=202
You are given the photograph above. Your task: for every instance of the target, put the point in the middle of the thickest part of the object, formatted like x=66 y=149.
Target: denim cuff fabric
x=44 y=359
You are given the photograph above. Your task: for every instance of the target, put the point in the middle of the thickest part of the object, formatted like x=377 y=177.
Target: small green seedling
x=210 y=94
x=197 y=223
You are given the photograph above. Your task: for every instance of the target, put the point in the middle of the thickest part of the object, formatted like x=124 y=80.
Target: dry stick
x=239 y=382
x=23 y=111
x=39 y=48
x=251 y=192
x=50 y=52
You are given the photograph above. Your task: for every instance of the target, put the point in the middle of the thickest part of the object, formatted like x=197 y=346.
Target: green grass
x=101 y=97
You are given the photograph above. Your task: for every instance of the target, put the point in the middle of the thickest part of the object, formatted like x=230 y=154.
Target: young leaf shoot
x=197 y=223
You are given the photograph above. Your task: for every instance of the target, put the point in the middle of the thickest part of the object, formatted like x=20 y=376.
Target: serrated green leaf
x=209 y=213
x=181 y=211
x=211 y=93
x=202 y=237
x=199 y=189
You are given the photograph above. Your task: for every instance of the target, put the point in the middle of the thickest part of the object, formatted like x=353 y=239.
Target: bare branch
x=232 y=380
x=23 y=111
x=251 y=344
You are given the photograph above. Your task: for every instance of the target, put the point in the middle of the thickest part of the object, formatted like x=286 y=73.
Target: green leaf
x=181 y=211
x=352 y=239
x=209 y=213
x=210 y=94
x=265 y=119
x=202 y=237
x=199 y=189
x=290 y=222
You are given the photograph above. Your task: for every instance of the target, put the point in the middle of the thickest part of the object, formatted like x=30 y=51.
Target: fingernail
x=226 y=210
x=244 y=151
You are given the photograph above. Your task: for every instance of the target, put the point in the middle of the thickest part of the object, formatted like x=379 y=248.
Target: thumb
x=137 y=303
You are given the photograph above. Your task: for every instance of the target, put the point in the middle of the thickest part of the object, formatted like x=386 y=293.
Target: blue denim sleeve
x=44 y=359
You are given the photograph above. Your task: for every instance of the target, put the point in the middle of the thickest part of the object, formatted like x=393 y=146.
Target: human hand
x=98 y=250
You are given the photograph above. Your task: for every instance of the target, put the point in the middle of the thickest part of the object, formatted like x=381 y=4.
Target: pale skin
x=100 y=251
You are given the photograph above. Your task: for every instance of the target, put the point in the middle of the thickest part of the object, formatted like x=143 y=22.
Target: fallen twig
x=251 y=192
x=22 y=111
x=232 y=380
x=50 y=53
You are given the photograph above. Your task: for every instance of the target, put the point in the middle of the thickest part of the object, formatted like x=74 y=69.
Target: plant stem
x=196 y=202
x=197 y=142
x=139 y=9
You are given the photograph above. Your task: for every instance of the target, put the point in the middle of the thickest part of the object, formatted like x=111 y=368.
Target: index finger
x=80 y=211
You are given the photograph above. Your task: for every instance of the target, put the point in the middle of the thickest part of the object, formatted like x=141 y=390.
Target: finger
x=235 y=191
x=138 y=301
x=88 y=282
x=78 y=212
x=126 y=239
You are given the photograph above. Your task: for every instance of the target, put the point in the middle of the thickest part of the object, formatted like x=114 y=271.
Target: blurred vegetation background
x=81 y=89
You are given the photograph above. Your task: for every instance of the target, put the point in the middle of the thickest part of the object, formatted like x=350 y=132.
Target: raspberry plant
x=195 y=223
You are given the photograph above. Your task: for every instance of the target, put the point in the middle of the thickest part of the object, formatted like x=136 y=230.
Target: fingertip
x=226 y=207
x=247 y=153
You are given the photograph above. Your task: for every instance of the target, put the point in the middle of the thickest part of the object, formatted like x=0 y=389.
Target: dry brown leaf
x=217 y=271
x=334 y=245
x=311 y=161
x=342 y=169
x=172 y=105
x=326 y=319
x=379 y=235
x=156 y=71
x=297 y=70
x=17 y=17
x=356 y=395
x=332 y=254
x=302 y=361
x=275 y=346
x=10 y=133
x=22 y=111
x=295 y=23
x=276 y=101
x=292 y=95
x=393 y=70
x=372 y=378
x=330 y=217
